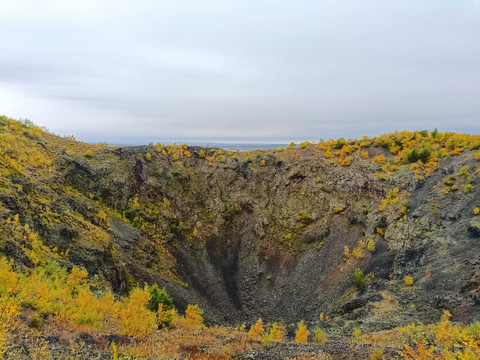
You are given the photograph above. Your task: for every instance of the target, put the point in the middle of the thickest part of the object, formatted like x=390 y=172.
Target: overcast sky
x=249 y=70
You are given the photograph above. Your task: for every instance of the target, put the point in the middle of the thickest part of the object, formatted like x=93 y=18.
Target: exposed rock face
x=232 y=238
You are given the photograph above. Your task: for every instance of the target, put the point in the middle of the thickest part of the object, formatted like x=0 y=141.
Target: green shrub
x=319 y=336
x=340 y=143
x=159 y=296
x=414 y=155
x=359 y=281
x=468 y=188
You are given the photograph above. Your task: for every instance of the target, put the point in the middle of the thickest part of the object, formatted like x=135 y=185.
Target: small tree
x=357 y=332
x=193 y=317
x=359 y=281
x=256 y=330
x=301 y=336
x=165 y=317
x=277 y=333
x=319 y=336
x=136 y=318
x=159 y=296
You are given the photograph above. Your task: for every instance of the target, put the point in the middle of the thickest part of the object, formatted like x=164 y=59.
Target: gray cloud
x=274 y=70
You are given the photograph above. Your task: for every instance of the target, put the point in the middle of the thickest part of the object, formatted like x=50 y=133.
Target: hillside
x=372 y=234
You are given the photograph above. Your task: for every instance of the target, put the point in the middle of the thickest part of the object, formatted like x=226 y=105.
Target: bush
x=88 y=153
x=301 y=335
x=371 y=245
x=414 y=155
x=202 y=154
x=449 y=180
x=304 y=217
x=319 y=336
x=468 y=188
x=357 y=332
x=340 y=143
x=256 y=330
x=8 y=313
x=476 y=211
x=359 y=280
x=148 y=157
x=464 y=171
x=379 y=159
x=159 y=296
x=408 y=280
x=193 y=317
x=137 y=319
x=277 y=333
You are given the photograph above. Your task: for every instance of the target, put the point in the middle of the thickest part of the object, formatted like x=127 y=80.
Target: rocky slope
x=258 y=234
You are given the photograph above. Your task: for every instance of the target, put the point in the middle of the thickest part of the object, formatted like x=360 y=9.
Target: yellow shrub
x=148 y=157
x=364 y=155
x=328 y=154
x=476 y=211
x=456 y=151
x=408 y=280
x=89 y=153
x=8 y=278
x=301 y=335
x=193 y=318
x=8 y=313
x=344 y=161
x=379 y=159
x=137 y=320
x=357 y=333
x=262 y=163
x=277 y=333
x=256 y=330
x=371 y=245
